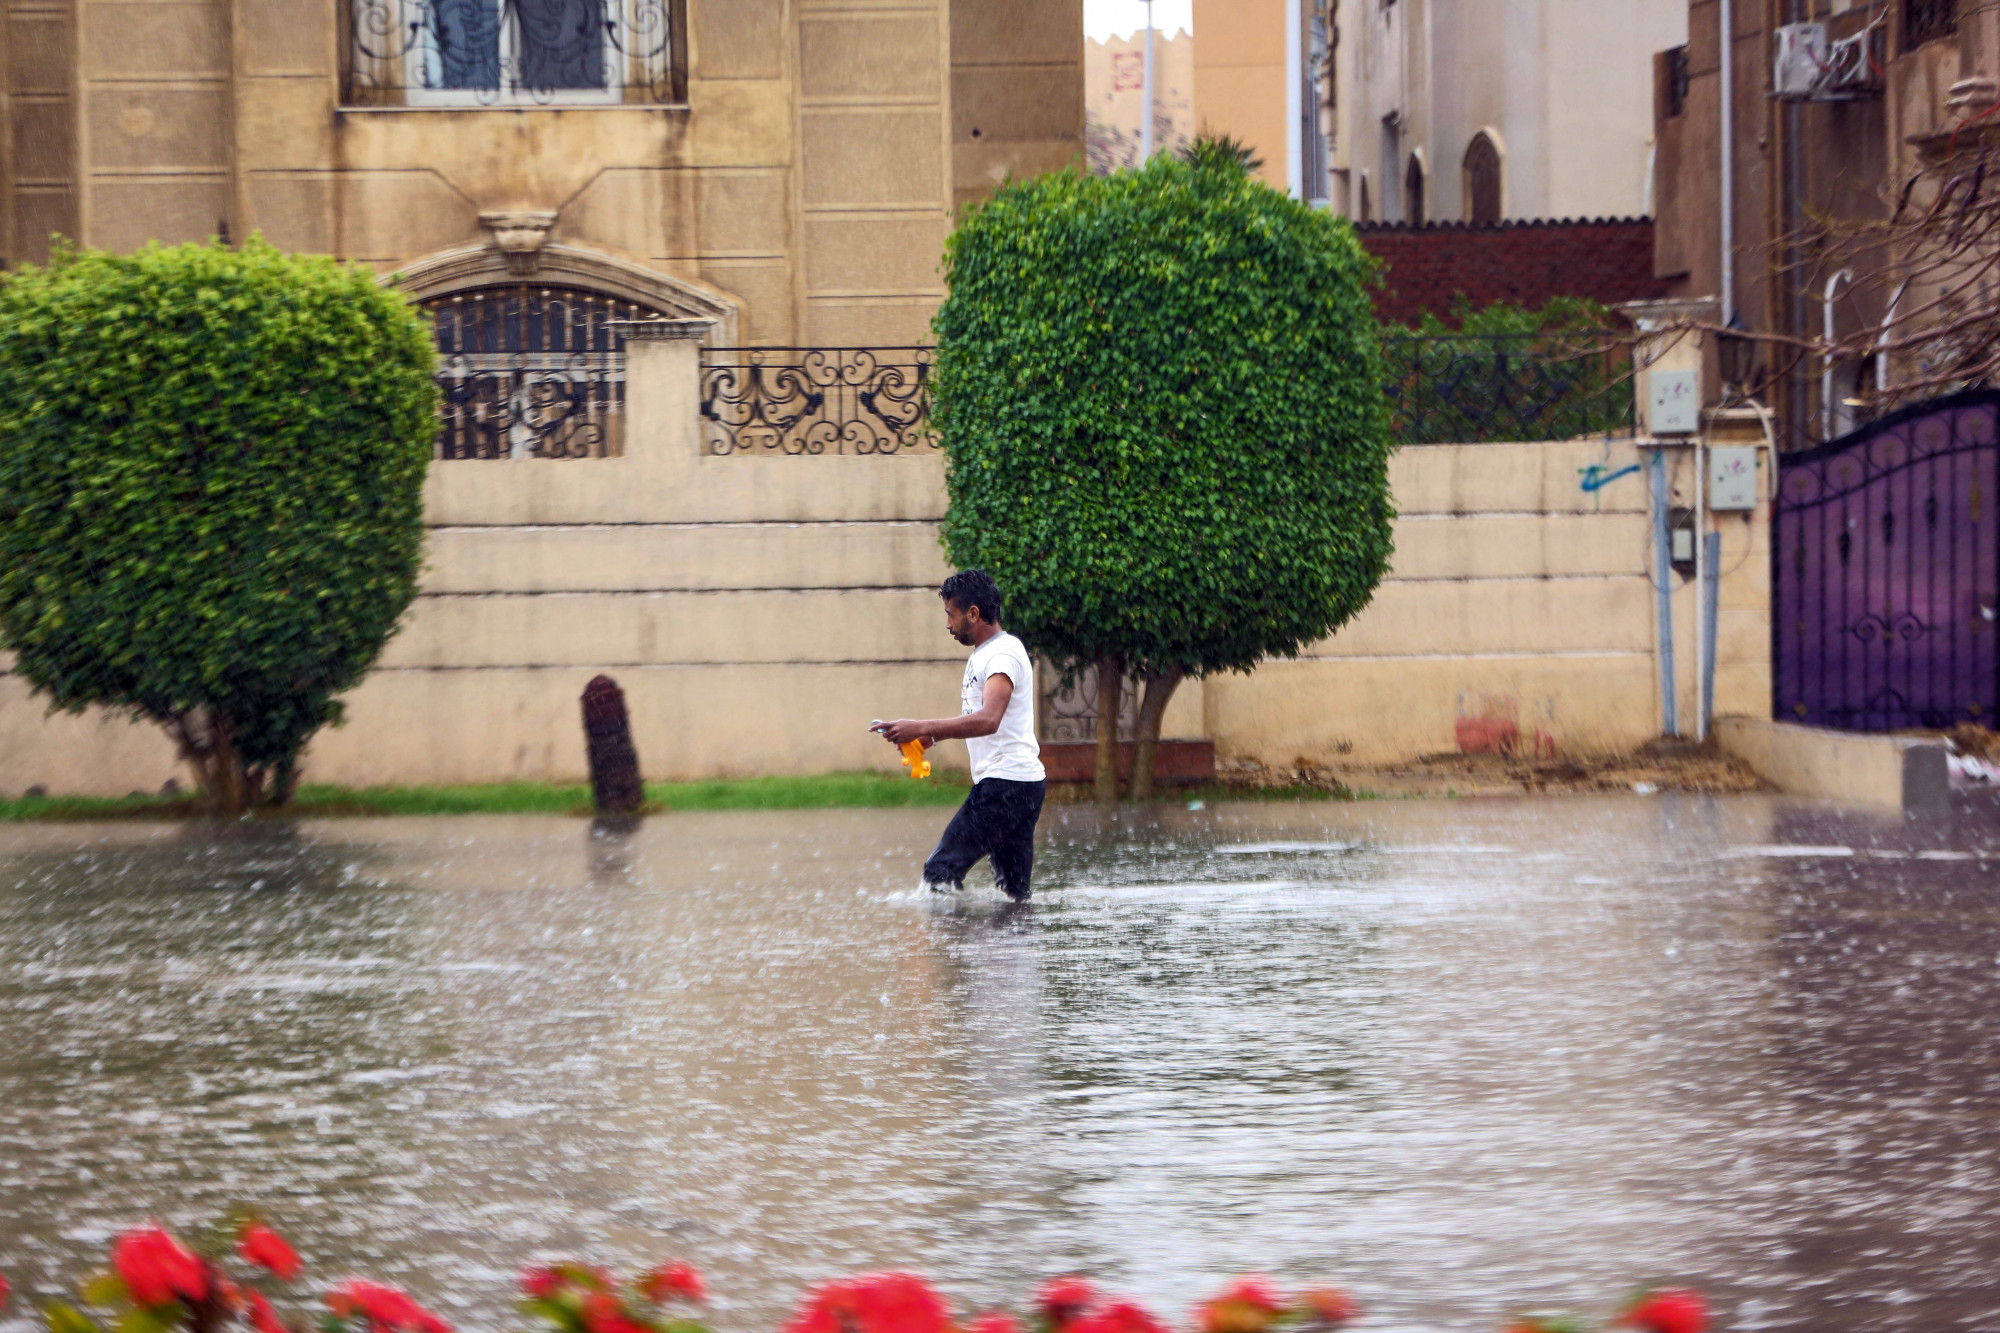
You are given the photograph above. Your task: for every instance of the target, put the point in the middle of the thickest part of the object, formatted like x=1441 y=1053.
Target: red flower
x=1246 y=1305
x=262 y=1317
x=1064 y=1298
x=1119 y=1317
x=156 y=1269
x=997 y=1321
x=1674 y=1311
x=541 y=1283
x=267 y=1249
x=4 y=1289
x=385 y=1308
x=873 y=1303
x=605 y=1313
x=673 y=1279
x=1329 y=1307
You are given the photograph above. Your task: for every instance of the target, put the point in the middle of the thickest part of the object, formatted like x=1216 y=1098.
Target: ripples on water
x=1466 y=1057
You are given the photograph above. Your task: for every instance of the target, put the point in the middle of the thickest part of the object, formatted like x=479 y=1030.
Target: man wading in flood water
x=997 y=724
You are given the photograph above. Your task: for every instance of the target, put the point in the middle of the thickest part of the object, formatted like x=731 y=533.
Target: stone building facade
x=788 y=167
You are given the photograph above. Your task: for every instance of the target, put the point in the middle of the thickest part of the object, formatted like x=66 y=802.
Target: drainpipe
x=1728 y=72
x=1826 y=369
x=1295 y=78
x=1146 y=95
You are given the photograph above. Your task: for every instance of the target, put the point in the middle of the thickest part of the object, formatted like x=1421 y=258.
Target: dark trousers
x=998 y=821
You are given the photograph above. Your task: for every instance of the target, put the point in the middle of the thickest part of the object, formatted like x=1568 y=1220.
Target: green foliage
x=211 y=473
x=1220 y=150
x=1160 y=395
x=1507 y=372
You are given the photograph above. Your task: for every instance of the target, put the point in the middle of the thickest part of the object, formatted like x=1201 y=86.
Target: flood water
x=1464 y=1057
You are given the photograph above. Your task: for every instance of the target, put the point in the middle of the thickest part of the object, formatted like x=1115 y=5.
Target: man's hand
x=902 y=731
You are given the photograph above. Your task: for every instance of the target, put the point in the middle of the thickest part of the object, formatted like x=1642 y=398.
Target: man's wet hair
x=973 y=587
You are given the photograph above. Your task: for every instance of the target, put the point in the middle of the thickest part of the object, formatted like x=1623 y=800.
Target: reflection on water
x=1463 y=1056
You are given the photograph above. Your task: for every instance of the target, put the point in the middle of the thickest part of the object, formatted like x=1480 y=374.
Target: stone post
x=614 y=762
x=663 y=390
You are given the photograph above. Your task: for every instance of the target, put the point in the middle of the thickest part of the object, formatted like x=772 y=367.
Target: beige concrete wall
x=760 y=611
x=1900 y=774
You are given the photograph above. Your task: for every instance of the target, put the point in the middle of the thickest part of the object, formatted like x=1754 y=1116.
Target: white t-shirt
x=1012 y=752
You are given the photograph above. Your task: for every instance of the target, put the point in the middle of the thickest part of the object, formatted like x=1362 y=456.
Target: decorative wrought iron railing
x=515 y=52
x=1467 y=389
x=531 y=372
x=817 y=400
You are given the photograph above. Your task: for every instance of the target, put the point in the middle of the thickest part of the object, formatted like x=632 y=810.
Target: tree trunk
x=1152 y=711
x=1110 y=680
x=206 y=741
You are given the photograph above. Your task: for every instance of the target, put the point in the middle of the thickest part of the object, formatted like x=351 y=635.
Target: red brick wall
x=1519 y=263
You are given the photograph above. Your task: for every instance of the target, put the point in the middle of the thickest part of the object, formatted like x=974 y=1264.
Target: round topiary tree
x=1160 y=392
x=211 y=492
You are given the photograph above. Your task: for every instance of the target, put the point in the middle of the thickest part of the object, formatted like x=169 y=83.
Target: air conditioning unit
x=1801 y=56
x=1810 y=67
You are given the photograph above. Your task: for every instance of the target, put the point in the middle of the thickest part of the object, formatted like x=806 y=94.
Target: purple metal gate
x=1885 y=552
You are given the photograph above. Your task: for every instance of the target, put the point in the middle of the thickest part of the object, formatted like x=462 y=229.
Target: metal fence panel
x=1886 y=572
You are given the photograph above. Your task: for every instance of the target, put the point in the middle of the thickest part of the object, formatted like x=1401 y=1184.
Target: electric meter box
x=1676 y=402
x=1732 y=478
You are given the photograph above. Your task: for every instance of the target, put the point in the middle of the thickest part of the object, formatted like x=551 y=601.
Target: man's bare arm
x=982 y=722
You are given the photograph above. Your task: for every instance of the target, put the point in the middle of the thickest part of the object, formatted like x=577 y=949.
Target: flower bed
x=158 y=1284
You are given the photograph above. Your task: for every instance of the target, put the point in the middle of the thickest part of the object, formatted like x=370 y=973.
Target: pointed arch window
x=1482 y=181
x=1413 y=192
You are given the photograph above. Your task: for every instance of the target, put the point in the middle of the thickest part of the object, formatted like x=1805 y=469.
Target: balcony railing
x=817 y=400
x=471 y=53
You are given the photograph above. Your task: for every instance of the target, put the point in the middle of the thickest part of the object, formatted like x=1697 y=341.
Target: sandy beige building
x=1114 y=78
x=787 y=166
x=1442 y=110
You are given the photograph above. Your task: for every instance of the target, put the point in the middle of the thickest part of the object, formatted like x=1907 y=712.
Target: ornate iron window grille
x=1468 y=389
x=515 y=52
x=816 y=400
x=1677 y=81
x=1928 y=20
x=531 y=372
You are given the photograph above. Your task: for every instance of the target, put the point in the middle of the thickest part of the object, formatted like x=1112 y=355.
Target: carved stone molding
x=663 y=330
x=519 y=236
x=473 y=267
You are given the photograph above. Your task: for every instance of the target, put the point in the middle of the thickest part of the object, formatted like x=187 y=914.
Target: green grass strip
x=830 y=791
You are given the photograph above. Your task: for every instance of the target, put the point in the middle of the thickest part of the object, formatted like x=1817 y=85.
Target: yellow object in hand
x=913 y=758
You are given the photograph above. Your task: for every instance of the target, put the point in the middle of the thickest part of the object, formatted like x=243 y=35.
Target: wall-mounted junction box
x=1675 y=406
x=1732 y=477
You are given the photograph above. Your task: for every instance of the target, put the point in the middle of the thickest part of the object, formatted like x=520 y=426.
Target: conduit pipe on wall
x=1663 y=589
x=1882 y=339
x=1826 y=357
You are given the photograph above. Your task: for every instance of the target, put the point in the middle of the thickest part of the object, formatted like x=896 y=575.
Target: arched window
x=1362 y=208
x=1413 y=192
x=1482 y=180
x=531 y=371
